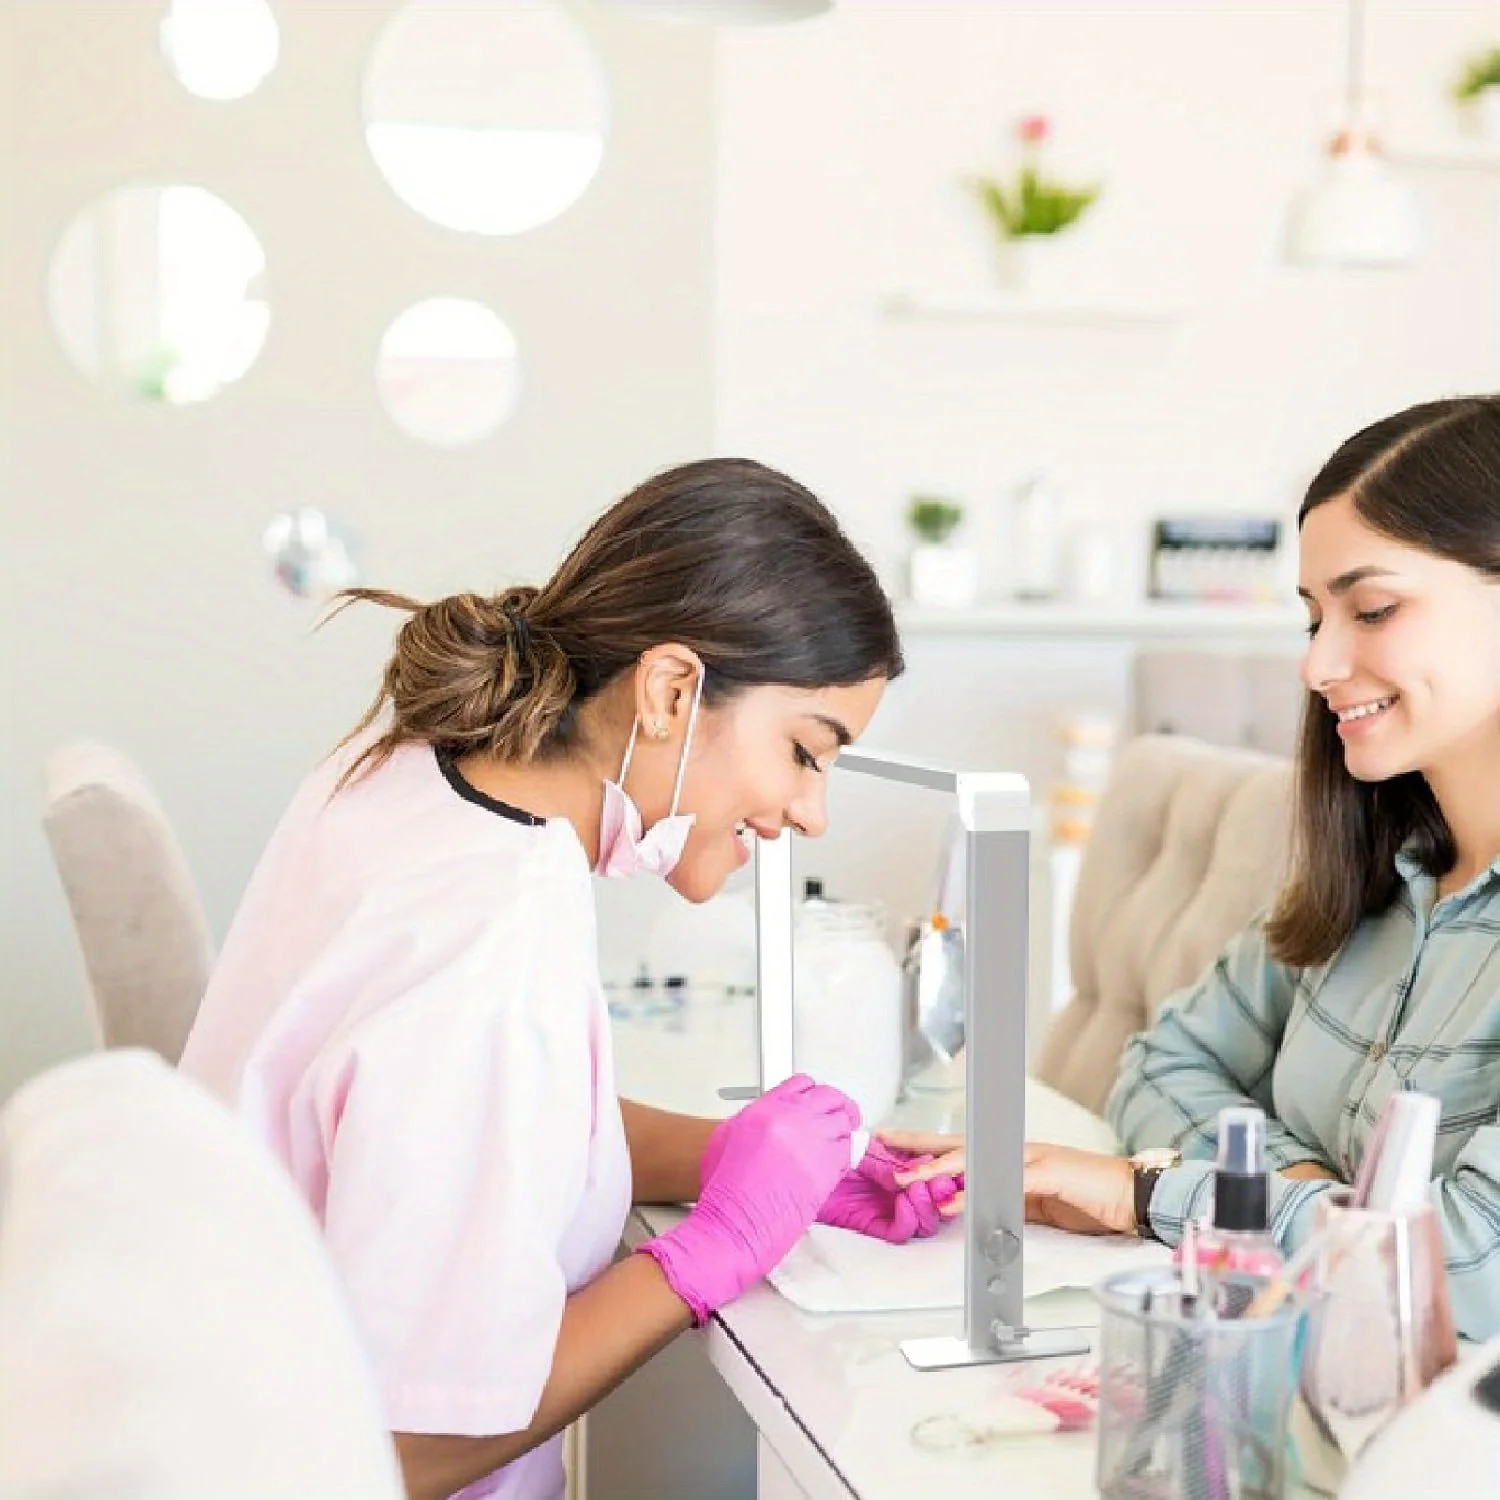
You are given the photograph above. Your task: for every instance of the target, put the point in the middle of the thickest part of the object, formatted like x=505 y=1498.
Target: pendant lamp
x=1357 y=212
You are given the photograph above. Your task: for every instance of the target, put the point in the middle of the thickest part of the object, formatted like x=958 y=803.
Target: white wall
x=841 y=145
x=139 y=610
x=717 y=288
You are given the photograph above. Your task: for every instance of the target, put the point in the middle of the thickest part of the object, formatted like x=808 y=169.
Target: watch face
x=1157 y=1157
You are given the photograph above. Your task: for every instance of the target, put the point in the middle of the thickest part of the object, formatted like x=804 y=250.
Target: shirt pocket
x=1469 y=1090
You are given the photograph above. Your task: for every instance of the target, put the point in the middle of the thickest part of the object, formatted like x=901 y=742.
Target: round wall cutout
x=448 y=370
x=158 y=293
x=220 y=49
x=485 y=115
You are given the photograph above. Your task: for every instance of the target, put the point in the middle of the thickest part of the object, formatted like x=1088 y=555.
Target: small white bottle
x=1036 y=540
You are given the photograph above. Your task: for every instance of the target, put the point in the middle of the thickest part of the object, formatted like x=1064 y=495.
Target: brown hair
x=1428 y=477
x=726 y=556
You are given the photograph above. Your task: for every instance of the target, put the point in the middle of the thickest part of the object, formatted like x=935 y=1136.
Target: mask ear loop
x=687 y=742
x=629 y=751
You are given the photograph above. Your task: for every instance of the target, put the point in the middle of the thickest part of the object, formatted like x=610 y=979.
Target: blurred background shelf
x=1458 y=151
x=1085 y=309
x=1146 y=621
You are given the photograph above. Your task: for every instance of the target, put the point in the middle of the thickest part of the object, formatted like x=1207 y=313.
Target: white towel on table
x=838 y=1271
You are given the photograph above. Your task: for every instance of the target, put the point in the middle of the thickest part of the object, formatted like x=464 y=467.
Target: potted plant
x=942 y=573
x=1032 y=208
x=1478 y=93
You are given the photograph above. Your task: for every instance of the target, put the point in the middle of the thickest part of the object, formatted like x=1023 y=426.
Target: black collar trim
x=448 y=765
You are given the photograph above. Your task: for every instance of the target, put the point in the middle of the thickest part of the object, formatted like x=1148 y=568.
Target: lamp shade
x=729 y=12
x=1357 y=212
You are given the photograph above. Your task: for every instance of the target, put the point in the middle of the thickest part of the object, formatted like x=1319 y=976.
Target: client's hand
x=1077 y=1190
x=946 y=1153
x=1081 y=1191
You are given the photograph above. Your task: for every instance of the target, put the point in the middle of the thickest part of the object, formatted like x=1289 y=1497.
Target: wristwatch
x=1147 y=1166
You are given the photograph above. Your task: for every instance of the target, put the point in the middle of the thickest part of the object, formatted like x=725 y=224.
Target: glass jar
x=846 y=1025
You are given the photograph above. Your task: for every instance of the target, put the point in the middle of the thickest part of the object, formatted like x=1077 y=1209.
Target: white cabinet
x=773 y=1479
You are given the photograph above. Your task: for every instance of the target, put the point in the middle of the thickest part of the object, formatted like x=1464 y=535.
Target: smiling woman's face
x=1404 y=648
x=759 y=763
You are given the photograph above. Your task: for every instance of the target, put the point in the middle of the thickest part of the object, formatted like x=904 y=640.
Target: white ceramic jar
x=846 y=1028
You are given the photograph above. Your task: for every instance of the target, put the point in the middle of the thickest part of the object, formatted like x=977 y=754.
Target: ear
x=666 y=679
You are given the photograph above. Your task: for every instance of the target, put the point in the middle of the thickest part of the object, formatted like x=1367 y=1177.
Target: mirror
x=312 y=555
x=158 y=292
x=448 y=370
x=485 y=115
x=220 y=49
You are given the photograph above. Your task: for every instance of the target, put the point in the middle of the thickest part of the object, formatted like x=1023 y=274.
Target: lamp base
x=1032 y=1343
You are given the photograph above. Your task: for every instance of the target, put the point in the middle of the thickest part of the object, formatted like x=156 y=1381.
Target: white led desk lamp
x=995 y=811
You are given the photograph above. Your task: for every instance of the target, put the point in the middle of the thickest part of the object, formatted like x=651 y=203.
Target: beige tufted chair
x=145 y=939
x=1189 y=844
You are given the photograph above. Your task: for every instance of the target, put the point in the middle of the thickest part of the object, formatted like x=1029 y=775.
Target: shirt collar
x=1419 y=882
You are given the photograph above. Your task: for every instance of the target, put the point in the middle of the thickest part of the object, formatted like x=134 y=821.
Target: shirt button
x=1377 y=1052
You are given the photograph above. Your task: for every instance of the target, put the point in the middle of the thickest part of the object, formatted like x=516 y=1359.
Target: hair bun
x=512 y=606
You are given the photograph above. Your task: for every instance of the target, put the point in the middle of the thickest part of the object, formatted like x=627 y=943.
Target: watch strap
x=1145 y=1186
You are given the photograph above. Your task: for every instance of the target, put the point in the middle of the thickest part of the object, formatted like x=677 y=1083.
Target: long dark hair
x=1428 y=477
x=725 y=556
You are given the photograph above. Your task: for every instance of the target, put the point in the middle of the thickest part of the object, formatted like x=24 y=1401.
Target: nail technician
x=1379 y=967
x=408 y=1009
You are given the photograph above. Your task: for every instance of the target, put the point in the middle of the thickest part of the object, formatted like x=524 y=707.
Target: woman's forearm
x=609 y=1329
x=665 y=1150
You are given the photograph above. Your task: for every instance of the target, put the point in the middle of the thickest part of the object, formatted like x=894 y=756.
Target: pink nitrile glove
x=869 y=1200
x=773 y=1166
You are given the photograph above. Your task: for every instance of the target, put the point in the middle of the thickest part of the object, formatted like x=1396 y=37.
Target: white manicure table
x=776 y=1403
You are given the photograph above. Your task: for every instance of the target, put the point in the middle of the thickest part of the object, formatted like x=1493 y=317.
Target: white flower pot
x=944 y=576
x=1483 y=114
x=1044 y=265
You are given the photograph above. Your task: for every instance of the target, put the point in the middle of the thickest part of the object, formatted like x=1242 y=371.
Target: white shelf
x=1470 y=153
x=1153 y=621
x=1085 y=309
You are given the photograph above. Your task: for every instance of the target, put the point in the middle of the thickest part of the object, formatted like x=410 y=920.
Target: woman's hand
x=1080 y=1191
x=774 y=1165
x=947 y=1160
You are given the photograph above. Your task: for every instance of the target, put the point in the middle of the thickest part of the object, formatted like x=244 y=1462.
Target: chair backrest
x=145 y=939
x=172 y=1328
x=1189 y=844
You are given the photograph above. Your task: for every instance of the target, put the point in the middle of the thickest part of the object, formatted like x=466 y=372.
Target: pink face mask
x=625 y=848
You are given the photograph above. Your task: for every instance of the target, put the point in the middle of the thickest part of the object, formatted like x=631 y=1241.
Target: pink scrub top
x=407 y=1011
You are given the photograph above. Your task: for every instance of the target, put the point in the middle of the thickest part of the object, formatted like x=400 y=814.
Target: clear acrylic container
x=1380 y=1331
x=1193 y=1407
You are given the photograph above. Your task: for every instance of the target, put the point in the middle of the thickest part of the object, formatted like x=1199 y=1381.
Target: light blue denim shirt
x=1412 y=1000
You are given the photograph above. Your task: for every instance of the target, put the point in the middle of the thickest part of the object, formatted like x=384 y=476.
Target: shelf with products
x=1469 y=153
x=1146 y=620
x=1083 y=309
